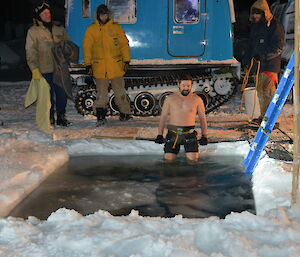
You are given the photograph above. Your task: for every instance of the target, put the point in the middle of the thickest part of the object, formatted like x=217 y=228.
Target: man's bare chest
x=184 y=105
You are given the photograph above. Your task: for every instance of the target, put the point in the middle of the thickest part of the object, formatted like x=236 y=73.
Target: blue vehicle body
x=168 y=39
x=156 y=38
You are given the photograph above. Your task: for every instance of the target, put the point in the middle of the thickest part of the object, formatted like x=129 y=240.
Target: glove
x=159 y=139
x=36 y=74
x=88 y=69
x=126 y=66
x=203 y=140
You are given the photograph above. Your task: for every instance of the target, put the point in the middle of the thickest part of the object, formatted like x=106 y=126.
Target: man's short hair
x=184 y=77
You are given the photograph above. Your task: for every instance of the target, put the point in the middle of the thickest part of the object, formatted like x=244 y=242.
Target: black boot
x=101 y=117
x=125 y=117
x=62 y=121
x=52 y=119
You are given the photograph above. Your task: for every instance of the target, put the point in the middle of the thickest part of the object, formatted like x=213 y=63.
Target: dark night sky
x=21 y=12
x=241 y=5
x=14 y=12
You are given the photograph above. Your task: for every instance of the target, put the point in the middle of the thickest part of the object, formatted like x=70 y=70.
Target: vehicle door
x=186 y=28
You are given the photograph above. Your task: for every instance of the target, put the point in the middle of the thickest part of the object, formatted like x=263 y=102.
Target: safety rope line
x=228 y=131
x=179 y=133
x=289 y=153
x=245 y=82
x=176 y=139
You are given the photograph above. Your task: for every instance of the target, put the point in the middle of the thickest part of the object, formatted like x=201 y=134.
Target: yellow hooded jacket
x=106 y=48
x=263 y=5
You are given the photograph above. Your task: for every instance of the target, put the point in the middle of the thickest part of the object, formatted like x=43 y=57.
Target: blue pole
x=274 y=109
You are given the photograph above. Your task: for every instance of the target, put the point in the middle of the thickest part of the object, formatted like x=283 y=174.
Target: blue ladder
x=285 y=85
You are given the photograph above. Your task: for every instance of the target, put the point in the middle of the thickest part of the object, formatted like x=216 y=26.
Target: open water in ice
x=215 y=186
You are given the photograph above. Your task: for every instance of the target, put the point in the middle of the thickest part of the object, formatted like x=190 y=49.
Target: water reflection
x=215 y=186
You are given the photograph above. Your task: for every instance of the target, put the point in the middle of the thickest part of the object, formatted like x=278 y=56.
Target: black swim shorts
x=175 y=140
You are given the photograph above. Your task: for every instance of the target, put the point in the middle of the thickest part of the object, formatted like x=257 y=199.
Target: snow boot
x=101 y=117
x=125 y=117
x=62 y=120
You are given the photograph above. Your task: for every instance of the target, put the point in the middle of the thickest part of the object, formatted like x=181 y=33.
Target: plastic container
x=251 y=102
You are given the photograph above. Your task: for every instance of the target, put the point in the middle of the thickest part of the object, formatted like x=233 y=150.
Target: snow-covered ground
x=28 y=156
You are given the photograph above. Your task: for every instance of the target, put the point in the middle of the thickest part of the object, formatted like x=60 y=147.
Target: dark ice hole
x=216 y=186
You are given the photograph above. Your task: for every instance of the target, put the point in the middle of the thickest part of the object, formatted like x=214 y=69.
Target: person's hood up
x=263 y=5
x=96 y=21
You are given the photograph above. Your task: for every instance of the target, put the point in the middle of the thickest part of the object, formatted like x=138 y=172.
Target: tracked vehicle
x=168 y=39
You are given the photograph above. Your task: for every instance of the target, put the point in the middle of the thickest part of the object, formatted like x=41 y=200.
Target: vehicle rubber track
x=147 y=94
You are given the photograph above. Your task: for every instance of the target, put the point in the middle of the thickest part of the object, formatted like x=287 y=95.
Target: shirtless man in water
x=181 y=109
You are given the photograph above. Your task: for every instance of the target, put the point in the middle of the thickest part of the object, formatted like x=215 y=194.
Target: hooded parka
x=39 y=43
x=266 y=40
x=266 y=44
x=106 y=48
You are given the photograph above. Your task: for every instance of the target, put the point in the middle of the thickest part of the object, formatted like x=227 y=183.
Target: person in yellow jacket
x=107 y=56
x=40 y=39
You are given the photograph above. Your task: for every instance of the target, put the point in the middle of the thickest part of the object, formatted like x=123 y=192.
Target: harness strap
x=176 y=139
x=180 y=132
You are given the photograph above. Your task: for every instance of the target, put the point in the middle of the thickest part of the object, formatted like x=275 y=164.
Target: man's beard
x=185 y=92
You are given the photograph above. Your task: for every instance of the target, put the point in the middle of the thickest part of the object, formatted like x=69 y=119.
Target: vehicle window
x=186 y=11
x=86 y=8
x=123 y=11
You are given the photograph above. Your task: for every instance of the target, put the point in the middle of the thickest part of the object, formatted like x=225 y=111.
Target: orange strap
x=176 y=139
x=245 y=80
x=271 y=76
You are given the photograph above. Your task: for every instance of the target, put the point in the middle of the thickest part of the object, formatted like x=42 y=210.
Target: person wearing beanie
x=107 y=56
x=40 y=40
x=265 y=46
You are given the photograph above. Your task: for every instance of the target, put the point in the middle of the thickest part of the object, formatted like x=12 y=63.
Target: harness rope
x=179 y=132
x=246 y=78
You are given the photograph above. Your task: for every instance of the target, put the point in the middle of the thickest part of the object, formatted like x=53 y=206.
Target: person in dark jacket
x=266 y=43
x=41 y=38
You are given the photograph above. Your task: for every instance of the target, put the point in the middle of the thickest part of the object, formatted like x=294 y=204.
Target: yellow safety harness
x=179 y=132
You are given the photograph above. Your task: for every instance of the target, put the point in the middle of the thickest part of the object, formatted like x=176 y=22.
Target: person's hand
x=126 y=66
x=88 y=69
x=36 y=74
x=159 y=139
x=203 y=140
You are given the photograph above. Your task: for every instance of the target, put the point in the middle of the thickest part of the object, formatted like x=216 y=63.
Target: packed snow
x=28 y=156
